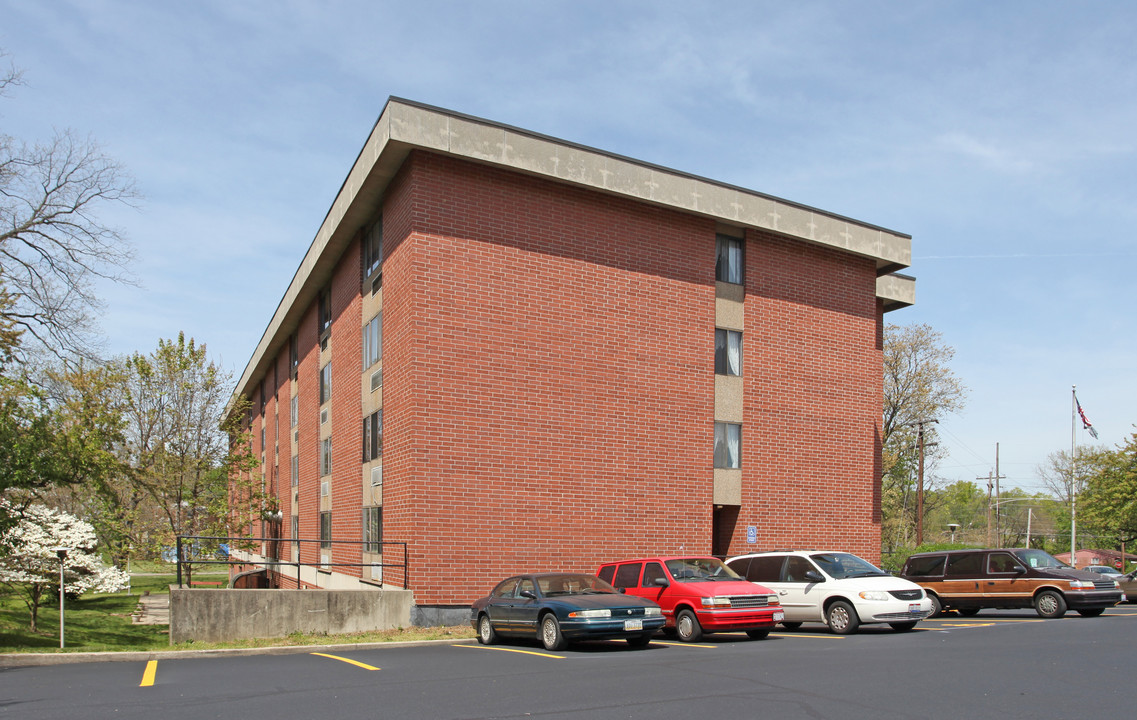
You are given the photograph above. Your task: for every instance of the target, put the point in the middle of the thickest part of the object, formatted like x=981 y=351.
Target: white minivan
x=835 y=588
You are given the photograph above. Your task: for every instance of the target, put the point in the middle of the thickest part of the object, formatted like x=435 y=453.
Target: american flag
x=1085 y=423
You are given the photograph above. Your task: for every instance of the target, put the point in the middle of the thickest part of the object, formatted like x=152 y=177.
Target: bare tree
x=53 y=246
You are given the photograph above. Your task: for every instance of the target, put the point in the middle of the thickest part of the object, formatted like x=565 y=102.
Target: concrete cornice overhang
x=404 y=126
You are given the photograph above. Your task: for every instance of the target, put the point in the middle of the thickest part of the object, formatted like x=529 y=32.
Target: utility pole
x=989 y=506
x=920 y=482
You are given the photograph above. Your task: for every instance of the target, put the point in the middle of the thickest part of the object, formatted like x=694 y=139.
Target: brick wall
x=549 y=385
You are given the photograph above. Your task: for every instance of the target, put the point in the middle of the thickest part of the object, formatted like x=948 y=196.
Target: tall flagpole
x=1073 y=472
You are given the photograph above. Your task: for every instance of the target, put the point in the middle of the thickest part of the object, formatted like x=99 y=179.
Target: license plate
x=914 y=608
x=633 y=624
x=779 y=616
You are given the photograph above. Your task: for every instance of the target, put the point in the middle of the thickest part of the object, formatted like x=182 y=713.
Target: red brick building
x=512 y=353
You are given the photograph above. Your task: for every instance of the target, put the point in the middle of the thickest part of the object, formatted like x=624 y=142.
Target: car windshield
x=1039 y=559
x=572 y=584
x=840 y=566
x=700 y=570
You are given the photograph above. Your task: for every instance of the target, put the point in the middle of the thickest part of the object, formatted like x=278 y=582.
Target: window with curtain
x=728 y=445
x=728 y=352
x=325 y=531
x=373 y=341
x=728 y=259
x=373 y=529
x=373 y=248
x=326 y=456
x=325 y=383
x=373 y=436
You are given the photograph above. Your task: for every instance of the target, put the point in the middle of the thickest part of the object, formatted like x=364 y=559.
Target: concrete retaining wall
x=217 y=615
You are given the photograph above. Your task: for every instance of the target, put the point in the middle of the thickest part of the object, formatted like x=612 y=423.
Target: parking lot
x=999 y=663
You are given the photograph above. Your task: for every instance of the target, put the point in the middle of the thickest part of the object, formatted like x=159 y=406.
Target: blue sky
x=1001 y=136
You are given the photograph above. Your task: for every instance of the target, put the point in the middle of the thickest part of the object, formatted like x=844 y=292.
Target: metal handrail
x=234 y=540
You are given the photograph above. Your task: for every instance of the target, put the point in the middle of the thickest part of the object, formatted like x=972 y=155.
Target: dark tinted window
x=652 y=572
x=965 y=564
x=606 y=573
x=796 y=568
x=526 y=585
x=739 y=565
x=628 y=575
x=925 y=566
x=765 y=569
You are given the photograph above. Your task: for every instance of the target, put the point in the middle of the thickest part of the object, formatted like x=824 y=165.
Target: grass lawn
x=102 y=623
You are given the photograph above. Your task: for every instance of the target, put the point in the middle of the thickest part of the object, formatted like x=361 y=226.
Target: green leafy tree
x=1109 y=501
x=919 y=385
x=179 y=432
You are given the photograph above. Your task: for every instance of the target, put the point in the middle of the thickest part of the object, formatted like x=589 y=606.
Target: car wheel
x=551 y=636
x=937 y=606
x=903 y=627
x=969 y=612
x=486 y=634
x=842 y=618
x=1050 y=605
x=688 y=627
x=757 y=634
x=791 y=625
x=639 y=641
x=1091 y=612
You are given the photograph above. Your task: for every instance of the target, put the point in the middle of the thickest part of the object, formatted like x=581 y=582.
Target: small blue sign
x=752 y=534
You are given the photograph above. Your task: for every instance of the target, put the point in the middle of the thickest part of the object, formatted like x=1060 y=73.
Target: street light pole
x=61 y=553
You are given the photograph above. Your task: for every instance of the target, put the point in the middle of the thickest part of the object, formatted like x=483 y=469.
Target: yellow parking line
x=967 y=625
x=990 y=621
x=149 y=673
x=348 y=661
x=680 y=644
x=514 y=650
x=818 y=637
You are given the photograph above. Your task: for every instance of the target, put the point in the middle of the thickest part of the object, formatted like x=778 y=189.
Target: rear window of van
x=926 y=566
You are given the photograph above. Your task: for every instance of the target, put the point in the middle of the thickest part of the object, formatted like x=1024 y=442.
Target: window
x=373 y=529
x=373 y=341
x=326 y=456
x=325 y=383
x=294 y=410
x=373 y=248
x=1001 y=563
x=373 y=436
x=264 y=396
x=295 y=527
x=325 y=531
x=505 y=588
x=926 y=566
x=628 y=576
x=796 y=568
x=728 y=352
x=325 y=309
x=764 y=569
x=965 y=564
x=653 y=571
x=293 y=355
x=728 y=445
x=728 y=259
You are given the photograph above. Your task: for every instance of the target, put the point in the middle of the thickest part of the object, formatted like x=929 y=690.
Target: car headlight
x=773 y=600
x=590 y=613
x=653 y=612
x=716 y=602
x=1117 y=584
x=873 y=595
x=1082 y=584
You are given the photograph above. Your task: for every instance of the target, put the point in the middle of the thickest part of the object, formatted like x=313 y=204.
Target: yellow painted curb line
x=365 y=666
x=513 y=650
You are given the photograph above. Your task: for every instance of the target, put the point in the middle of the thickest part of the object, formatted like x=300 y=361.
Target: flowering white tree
x=28 y=559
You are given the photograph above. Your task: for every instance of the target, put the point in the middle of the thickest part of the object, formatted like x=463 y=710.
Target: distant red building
x=515 y=353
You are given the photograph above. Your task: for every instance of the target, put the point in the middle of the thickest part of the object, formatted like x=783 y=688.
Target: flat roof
x=405 y=125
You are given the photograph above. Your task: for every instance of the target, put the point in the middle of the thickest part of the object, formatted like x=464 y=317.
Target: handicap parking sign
x=752 y=534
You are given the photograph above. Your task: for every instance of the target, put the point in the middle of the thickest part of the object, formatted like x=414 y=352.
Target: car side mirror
x=622 y=591
x=813 y=576
x=661 y=581
x=529 y=594
x=1019 y=569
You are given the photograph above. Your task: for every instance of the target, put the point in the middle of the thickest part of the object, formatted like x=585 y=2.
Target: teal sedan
x=558 y=608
